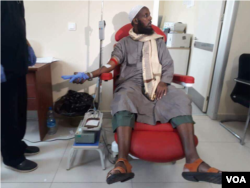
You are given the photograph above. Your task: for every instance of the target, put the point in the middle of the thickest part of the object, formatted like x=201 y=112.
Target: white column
x=155 y=12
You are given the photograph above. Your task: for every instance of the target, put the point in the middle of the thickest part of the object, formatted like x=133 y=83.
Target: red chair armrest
x=106 y=76
x=183 y=78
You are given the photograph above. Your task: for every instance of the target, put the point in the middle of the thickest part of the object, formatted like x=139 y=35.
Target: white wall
x=177 y=11
x=240 y=44
x=77 y=50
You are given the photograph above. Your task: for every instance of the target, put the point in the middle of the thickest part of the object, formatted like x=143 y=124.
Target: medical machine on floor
x=90 y=127
x=176 y=36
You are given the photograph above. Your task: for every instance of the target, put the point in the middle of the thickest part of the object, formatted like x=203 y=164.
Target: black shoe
x=31 y=150
x=24 y=167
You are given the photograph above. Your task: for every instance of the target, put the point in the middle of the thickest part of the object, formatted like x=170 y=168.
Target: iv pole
x=101 y=37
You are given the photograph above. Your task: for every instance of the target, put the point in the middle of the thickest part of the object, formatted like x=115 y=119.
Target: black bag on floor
x=74 y=104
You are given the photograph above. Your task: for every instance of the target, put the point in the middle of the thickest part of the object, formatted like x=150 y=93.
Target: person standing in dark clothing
x=16 y=56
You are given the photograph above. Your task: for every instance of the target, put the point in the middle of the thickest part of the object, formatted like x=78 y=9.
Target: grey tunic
x=128 y=94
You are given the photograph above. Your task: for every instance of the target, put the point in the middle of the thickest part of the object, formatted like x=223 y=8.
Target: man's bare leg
x=186 y=132
x=124 y=140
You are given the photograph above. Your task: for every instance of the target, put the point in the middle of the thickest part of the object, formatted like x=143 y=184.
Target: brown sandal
x=124 y=174
x=212 y=175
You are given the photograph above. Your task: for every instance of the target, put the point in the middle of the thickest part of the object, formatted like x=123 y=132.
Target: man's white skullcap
x=134 y=11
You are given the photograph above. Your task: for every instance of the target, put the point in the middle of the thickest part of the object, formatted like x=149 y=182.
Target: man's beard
x=144 y=30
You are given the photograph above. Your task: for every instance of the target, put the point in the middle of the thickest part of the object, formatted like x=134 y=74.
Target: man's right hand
x=78 y=78
x=32 y=56
x=2 y=74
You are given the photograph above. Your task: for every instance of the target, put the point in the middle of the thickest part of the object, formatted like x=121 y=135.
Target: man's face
x=144 y=22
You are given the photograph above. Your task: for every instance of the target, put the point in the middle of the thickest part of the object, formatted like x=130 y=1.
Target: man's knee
x=182 y=121
x=123 y=119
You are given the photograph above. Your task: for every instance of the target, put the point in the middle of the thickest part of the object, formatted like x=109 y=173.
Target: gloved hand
x=77 y=78
x=3 y=78
x=32 y=56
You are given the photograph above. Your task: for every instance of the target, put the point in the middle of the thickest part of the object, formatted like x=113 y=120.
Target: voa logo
x=236 y=179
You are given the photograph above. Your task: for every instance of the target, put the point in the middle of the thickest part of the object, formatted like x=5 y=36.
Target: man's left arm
x=167 y=69
x=3 y=77
x=32 y=55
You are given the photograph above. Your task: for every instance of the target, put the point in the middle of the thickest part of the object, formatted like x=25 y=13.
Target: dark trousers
x=13 y=119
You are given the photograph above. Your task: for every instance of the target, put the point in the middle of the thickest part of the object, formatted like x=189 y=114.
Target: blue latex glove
x=77 y=77
x=32 y=56
x=3 y=78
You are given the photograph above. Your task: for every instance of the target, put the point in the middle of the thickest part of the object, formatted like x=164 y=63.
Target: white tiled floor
x=216 y=146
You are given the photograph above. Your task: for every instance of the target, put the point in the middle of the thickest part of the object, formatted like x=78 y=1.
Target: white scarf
x=151 y=66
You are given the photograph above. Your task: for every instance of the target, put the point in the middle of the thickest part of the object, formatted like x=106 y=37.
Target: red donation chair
x=160 y=143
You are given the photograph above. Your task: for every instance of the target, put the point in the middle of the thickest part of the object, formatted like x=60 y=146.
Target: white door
x=180 y=57
x=204 y=50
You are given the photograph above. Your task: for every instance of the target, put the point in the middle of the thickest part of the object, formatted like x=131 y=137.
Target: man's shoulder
x=159 y=40
x=125 y=39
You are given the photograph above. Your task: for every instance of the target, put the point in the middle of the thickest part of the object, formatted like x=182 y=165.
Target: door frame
x=216 y=47
x=222 y=57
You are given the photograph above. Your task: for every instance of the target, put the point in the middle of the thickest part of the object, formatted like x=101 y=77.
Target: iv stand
x=101 y=37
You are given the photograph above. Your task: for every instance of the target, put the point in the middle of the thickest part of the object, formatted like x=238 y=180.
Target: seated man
x=144 y=93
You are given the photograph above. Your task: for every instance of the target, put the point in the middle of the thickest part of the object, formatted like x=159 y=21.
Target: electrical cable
x=52 y=140
x=108 y=148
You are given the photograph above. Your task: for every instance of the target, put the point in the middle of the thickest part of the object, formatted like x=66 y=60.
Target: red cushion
x=155 y=146
x=157 y=127
x=123 y=32
x=183 y=78
x=159 y=143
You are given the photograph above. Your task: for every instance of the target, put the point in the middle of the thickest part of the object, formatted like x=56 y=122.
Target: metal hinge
x=207 y=98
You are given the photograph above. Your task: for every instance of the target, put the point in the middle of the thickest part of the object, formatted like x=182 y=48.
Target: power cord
x=108 y=148
x=52 y=140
